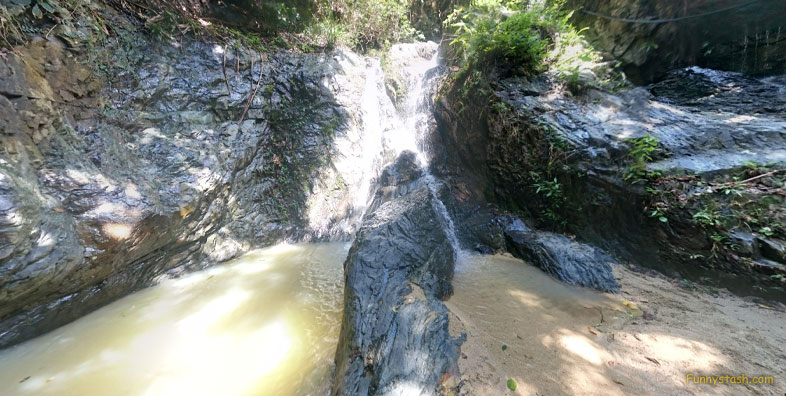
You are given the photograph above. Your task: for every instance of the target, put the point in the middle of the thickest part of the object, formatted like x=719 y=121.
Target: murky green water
x=264 y=324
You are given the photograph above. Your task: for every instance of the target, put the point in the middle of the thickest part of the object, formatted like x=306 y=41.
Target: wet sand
x=563 y=340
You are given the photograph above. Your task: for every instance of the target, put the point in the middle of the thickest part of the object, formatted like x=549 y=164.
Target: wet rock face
x=394 y=336
x=109 y=180
x=746 y=39
x=709 y=125
x=571 y=262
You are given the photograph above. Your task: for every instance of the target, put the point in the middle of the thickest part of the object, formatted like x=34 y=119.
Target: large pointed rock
x=394 y=335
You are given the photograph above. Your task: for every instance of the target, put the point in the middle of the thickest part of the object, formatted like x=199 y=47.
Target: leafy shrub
x=552 y=192
x=367 y=24
x=524 y=38
x=512 y=36
x=642 y=151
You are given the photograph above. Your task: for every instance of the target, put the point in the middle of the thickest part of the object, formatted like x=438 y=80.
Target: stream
x=264 y=324
x=268 y=323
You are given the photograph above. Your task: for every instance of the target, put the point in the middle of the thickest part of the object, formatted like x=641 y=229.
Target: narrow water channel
x=264 y=324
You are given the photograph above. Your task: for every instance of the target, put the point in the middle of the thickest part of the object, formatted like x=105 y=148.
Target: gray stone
x=109 y=181
x=569 y=261
x=648 y=50
x=709 y=125
x=745 y=243
x=394 y=337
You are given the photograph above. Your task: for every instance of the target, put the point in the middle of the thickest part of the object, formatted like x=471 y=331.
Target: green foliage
x=512 y=385
x=329 y=32
x=641 y=153
x=578 y=64
x=503 y=34
x=753 y=166
x=659 y=214
x=259 y=16
x=735 y=189
x=364 y=24
x=766 y=231
x=552 y=191
x=721 y=204
x=525 y=38
x=707 y=217
x=304 y=25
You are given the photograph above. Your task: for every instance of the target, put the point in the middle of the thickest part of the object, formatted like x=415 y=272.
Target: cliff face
x=569 y=163
x=731 y=35
x=127 y=162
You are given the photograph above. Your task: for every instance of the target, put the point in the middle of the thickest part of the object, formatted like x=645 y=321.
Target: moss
x=294 y=121
x=547 y=174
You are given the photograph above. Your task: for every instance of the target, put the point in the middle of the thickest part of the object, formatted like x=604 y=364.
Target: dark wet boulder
x=394 y=335
x=570 y=261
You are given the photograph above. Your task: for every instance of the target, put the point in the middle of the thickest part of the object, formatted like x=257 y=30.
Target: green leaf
x=504 y=347
x=37 y=12
x=663 y=219
x=21 y=2
x=512 y=385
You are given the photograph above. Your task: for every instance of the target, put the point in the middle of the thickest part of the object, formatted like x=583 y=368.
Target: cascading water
x=407 y=128
x=209 y=331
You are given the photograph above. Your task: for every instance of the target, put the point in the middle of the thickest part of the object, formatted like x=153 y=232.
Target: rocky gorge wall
x=733 y=35
x=128 y=162
x=566 y=162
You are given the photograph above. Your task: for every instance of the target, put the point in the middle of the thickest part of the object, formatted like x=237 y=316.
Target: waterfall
x=390 y=131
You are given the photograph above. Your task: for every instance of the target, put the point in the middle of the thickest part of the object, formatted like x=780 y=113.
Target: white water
x=264 y=324
x=409 y=128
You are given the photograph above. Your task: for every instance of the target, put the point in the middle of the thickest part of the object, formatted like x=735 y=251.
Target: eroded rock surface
x=565 y=163
x=394 y=336
x=116 y=170
x=572 y=262
x=704 y=120
x=742 y=36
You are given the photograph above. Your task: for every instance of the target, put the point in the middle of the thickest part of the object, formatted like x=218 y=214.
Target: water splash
x=390 y=131
x=439 y=206
x=416 y=120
